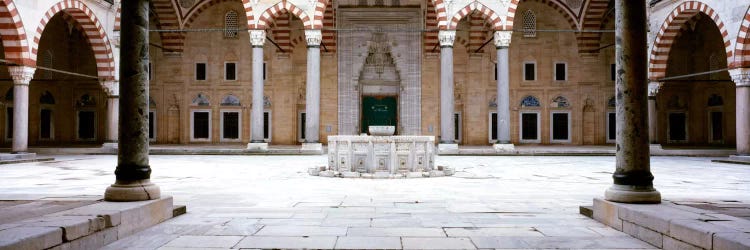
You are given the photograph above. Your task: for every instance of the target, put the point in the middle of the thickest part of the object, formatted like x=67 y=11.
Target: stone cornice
x=258 y=37
x=740 y=76
x=21 y=75
x=502 y=38
x=446 y=38
x=313 y=37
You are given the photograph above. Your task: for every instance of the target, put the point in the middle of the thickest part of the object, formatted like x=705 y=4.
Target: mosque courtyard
x=272 y=202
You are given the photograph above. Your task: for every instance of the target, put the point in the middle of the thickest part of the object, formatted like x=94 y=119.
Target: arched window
x=201 y=100
x=560 y=102
x=529 y=24
x=230 y=100
x=231 y=24
x=530 y=101
x=47 y=98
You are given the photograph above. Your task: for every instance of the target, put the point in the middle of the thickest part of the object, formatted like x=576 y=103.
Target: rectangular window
x=560 y=131
x=677 y=127
x=45 y=126
x=495 y=71
x=267 y=125
x=530 y=127
x=200 y=71
x=717 y=126
x=264 y=71
x=86 y=125
x=612 y=72
x=457 y=127
x=230 y=71
x=561 y=72
x=9 y=123
x=150 y=72
x=230 y=125
x=201 y=125
x=301 y=126
x=529 y=71
x=611 y=127
x=151 y=125
x=493 y=127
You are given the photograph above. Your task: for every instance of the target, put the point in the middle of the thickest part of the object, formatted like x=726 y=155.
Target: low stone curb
x=324 y=172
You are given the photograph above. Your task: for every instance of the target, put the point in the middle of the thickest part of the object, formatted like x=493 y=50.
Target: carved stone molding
x=313 y=37
x=502 y=39
x=446 y=38
x=740 y=76
x=257 y=38
x=112 y=88
x=21 y=75
x=653 y=88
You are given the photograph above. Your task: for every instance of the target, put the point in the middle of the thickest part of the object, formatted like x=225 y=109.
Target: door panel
x=379 y=111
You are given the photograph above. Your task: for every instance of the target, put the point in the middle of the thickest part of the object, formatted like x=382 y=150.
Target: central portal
x=379 y=111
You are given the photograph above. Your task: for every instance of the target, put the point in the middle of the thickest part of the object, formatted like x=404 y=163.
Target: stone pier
x=633 y=181
x=133 y=172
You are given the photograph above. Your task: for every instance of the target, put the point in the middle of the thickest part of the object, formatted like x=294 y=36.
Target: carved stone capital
x=116 y=38
x=313 y=37
x=740 y=76
x=112 y=88
x=257 y=38
x=502 y=38
x=653 y=88
x=446 y=38
x=21 y=75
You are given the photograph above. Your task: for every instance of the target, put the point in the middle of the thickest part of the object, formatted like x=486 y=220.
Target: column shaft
x=113 y=112
x=20 y=117
x=312 y=94
x=503 y=96
x=652 y=120
x=256 y=115
x=633 y=181
x=133 y=172
x=743 y=120
x=447 y=130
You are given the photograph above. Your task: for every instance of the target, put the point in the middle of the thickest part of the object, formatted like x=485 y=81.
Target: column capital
x=654 y=87
x=21 y=75
x=446 y=37
x=740 y=76
x=116 y=38
x=313 y=37
x=502 y=38
x=112 y=88
x=257 y=38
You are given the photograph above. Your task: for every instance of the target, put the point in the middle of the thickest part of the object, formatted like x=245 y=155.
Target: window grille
x=529 y=24
x=231 y=25
x=530 y=101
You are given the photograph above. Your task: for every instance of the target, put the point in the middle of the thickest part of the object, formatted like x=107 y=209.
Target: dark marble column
x=133 y=172
x=633 y=181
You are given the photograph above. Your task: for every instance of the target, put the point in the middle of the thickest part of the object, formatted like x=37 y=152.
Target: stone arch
x=441 y=13
x=486 y=12
x=560 y=7
x=93 y=29
x=742 y=49
x=14 y=35
x=284 y=6
x=671 y=28
x=319 y=13
x=167 y=18
x=592 y=18
x=118 y=18
x=196 y=10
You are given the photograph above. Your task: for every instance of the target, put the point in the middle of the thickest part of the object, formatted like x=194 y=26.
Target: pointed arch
x=593 y=15
x=276 y=10
x=13 y=34
x=199 y=8
x=560 y=7
x=319 y=13
x=492 y=18
x=441 y=13
x=168 y=18
x=671 y=28
x=91 y=26
x=742 y=48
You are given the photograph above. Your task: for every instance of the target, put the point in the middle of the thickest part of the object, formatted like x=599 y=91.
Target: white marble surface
x=490 y=199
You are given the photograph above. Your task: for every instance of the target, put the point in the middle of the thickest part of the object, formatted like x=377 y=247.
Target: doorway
x=379 y=111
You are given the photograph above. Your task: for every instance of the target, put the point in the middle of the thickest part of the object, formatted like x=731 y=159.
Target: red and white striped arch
x=319 y=13
x=196 y=10
x=492 y=18
x=442 y=14
x=167 y=18
x=274 y=11
x=118 y=18
x=593 y=17
x=93 y=29
x=672 y=27
x=742 y=48
x=560 y=7
x=13 y=34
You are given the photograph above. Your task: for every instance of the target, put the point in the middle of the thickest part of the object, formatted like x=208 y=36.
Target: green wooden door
x=378 y=111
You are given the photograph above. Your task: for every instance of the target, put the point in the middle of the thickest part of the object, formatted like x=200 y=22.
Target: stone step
x=90 y=226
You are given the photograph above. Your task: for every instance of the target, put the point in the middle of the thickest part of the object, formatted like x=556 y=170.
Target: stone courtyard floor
x=271 y=201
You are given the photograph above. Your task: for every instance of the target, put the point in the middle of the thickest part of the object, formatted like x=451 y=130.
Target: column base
x=141 y=190
x=504 y=147
x=632 y=194
x=446 y=148
x=257 y=146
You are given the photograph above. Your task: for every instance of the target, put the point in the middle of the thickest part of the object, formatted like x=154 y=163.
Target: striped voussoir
x=671 y=28
x=593 y=17
x=281 y=32
x=172 y=42
x=319 y=14
x=118 y=19
x=492 y=18
x=91 y=27
x=274 y=11
x=431 y=24
x=16 y=46
x=442 y=14
x=560 y=7
x=510 y=14
x=742 y=48
x=478 y=30
x=329 y=35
